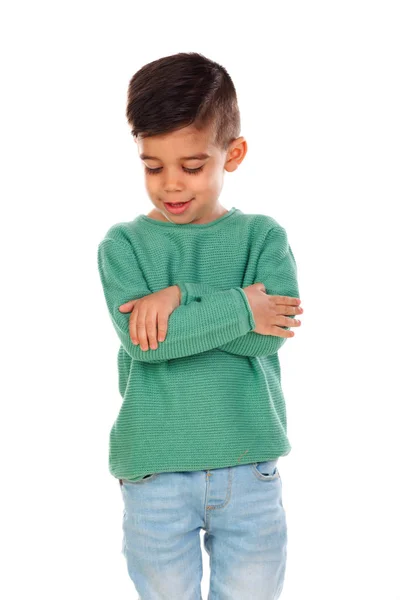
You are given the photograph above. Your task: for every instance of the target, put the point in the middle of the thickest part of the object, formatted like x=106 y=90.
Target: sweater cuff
x=188 y=294
x=184 y=292
x=252 y=323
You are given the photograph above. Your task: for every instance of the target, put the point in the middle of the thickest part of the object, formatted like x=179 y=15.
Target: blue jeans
x=240 y=508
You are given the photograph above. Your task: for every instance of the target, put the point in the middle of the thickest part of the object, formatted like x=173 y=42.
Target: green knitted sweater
x=210 y=395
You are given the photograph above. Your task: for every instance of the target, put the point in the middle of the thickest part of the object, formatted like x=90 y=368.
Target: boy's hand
x=269 y=311
x=150 y=316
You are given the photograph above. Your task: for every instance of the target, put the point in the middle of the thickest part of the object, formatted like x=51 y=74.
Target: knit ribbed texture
x=210 y=395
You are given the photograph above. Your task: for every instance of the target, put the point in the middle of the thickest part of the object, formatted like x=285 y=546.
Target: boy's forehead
x=180 y=144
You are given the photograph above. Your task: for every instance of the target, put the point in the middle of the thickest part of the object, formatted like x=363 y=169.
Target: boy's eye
x=189 y=171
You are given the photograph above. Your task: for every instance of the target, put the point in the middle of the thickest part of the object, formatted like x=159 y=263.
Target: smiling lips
x=178 y=202
x=177 y=208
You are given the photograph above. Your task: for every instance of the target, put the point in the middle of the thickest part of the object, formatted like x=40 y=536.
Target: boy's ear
x=236 y=153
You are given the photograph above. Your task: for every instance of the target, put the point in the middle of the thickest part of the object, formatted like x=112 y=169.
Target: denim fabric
x=239 y=508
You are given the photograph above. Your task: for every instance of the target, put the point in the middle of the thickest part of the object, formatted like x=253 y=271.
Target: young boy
x=202 y=298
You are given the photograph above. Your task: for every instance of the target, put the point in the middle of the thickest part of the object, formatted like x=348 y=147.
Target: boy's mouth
x=174 y=203
x=177 y=207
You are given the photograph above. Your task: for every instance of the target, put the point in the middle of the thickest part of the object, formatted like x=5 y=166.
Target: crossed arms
x=208 y=317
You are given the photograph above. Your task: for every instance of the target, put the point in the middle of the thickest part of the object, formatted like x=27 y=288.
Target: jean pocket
x=145 y=479
x=266 y=470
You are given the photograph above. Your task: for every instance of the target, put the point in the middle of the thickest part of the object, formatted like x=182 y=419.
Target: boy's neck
x=158 y=216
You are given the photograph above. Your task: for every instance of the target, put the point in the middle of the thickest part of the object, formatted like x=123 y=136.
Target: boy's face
x=168 y=178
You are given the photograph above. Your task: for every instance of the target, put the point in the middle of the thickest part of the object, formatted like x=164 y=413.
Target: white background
x=318 y=90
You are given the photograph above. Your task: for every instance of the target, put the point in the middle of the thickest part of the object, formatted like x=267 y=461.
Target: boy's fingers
x=287 y=300
x=162 y=327
x=127 y=307
x=289 y=309
x=141 y=331
x=141 y=327
x=151 y=329
x=133 y=327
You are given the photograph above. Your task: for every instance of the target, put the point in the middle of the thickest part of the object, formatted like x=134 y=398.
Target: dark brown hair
x=183 y=89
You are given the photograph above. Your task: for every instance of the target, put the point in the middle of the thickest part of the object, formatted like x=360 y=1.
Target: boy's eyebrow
x=199 y=156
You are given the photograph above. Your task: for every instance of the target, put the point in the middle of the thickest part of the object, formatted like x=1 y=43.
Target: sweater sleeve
x=277 y=270
x=193 y=328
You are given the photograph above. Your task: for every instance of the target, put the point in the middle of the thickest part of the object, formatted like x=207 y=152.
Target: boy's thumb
x=127 y=307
